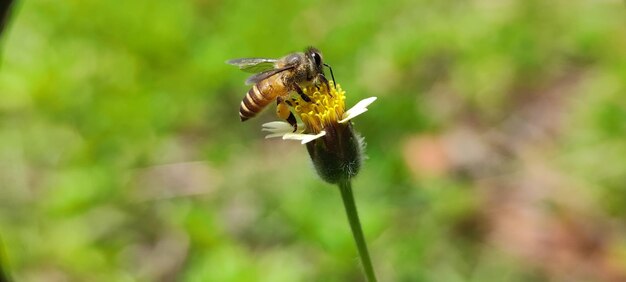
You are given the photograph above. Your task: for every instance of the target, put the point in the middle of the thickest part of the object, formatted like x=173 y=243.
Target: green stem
x=353 y=217
x=4 y=271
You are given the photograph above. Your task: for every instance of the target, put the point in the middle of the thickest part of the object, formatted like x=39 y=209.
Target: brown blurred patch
x=426 y=156
x=566 y=241
x=174 y=180
x=532 y=208
x=160 y=260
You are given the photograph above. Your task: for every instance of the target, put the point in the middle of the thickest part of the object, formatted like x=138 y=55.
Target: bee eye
x=317 y=58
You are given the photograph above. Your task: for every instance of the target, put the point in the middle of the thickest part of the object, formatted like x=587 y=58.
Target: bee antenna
x=331 y=73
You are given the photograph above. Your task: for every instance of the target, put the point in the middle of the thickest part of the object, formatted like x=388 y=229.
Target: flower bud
x=338 y=155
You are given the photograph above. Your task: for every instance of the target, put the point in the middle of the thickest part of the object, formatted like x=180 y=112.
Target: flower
x=324 y=109
x=335 y=148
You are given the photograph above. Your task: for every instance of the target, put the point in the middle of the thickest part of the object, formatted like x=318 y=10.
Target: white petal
x=304 y=138
x=277 y=126
x=358 y=109
x=273 y=135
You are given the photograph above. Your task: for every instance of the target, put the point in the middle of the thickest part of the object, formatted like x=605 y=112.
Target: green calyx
x=338 y=155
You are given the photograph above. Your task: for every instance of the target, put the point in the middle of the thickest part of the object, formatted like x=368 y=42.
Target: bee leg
x=322 y=78
x=292 y=120
x=283 y=112
x=302 y=95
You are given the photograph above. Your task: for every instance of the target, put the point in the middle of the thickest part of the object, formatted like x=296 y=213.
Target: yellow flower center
x=324 y=108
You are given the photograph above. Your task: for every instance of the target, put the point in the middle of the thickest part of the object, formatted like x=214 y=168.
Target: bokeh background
x=496 y=148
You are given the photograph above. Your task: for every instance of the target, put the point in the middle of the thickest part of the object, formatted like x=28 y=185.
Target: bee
x=276 y=79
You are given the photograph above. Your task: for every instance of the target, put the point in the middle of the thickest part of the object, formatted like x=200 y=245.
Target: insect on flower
x=275 y=79
x=320 y=105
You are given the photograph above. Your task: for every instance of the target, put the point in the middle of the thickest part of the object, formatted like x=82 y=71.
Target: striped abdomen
x=260 y=95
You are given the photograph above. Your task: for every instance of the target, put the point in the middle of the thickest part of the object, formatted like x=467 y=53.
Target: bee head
x=314 y=57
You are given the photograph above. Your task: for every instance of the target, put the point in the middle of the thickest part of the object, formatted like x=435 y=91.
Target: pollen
x=326 y=106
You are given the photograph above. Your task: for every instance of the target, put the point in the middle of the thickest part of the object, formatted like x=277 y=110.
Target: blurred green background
x=496 y=147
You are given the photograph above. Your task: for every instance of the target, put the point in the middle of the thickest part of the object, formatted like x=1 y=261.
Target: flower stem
x=4 y=271
x=353 y=217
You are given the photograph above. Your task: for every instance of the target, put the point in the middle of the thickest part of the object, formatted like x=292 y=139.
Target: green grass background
x=496 y=147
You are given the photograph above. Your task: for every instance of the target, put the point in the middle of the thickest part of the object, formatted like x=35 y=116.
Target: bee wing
x=253 y=65
x=261 y=76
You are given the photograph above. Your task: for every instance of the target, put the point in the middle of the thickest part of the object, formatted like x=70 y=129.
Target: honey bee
x=275 y=79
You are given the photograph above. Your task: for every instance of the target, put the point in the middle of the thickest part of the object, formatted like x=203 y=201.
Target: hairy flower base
x=338 y=155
